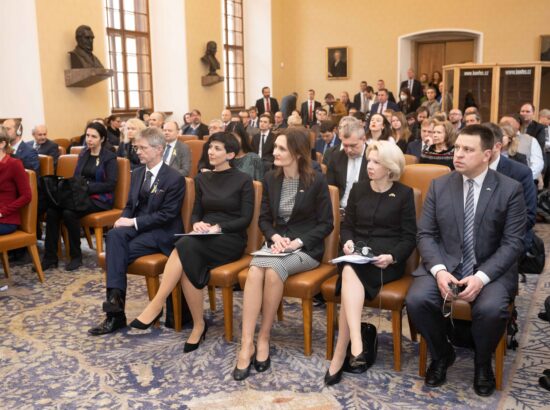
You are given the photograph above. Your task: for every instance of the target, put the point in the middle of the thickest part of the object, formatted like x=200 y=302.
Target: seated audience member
x=400 y=130
x=510 y=145
x=262 y=143
x=329 y=137
x=321 y=115
x=98 y=166
x=530 y=126
x=348 y=165
x=380 y=214
x=388 y=113
x=113 y=129
x=156 y=119
x=287 y=224
x=421 y=114
x=195 y=127
x=441 y=152
x=480 y=257
x=334 y=108
x=381 y=85
x=42 y=145
x=186 y=120
x=455 y=116
x=440 y=116
x=416 y=147
x=279 y=123
x=432 y=104
x=215 y=125
x=527 y=145
x=544 y=119
x=308 y=109
x=19 y=149
x=244 y=117
x=379 y=129
x=254 y=119
x=411 y=120
x=226 y=117
x=126 y=148
x=224 y=203
x=472 y=118
x=246 y=160
x=294 y=120
x=383 y=103
x=15 y=190
x=176 y=153
x=149 y=221
x=344 y=99
x=406 y=104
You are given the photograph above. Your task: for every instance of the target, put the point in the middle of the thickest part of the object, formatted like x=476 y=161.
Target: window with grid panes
x=129 y=54
x=233 y=46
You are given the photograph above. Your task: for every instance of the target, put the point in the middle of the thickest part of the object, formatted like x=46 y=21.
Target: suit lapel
x=489 y=185
x=139 y=173
x=457 y=195
x=277 y=186
x=299 y=197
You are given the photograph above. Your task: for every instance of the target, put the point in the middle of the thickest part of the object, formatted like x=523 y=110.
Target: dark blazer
x=340 y=69
x=416 y=91
x=267 y=149
x=320 y=144
x=390 y=105
x=537 y=131
x=304 y=112
x=414 y=148
x=274 y=105
x=162 y=213
x=499 y=227
x=102 y=188
x=521 y=158
x=48 y=148
x=288 y=104
x=125 y=150
x=200 y=132
x=311 y=219
x=337 y=170
x=28 y=156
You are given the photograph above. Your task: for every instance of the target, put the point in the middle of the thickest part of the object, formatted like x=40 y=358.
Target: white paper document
x=360 y=259
x=198 y=234
x=267 y=252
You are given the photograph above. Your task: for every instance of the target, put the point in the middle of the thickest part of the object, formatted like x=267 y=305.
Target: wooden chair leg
x=499 y=361
x=6 y=264
x=153 y=284
x=98 y=240
x=227 y=297
x=176 y=304
x=280 y=312
x=33 y=251
x=307 y=308
x=422 y=356
x=397 y=322
x=212 y=297
x=88 y=237
x=330 y=329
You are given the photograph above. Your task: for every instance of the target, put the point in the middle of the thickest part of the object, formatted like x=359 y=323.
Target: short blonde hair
x=136 y=122
x=294 y=120
x=389 y=156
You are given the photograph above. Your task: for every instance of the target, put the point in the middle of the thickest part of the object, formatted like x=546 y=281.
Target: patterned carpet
x=47 y=360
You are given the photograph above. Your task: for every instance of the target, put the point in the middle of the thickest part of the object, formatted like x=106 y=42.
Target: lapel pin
x=488 y=189
x=392 y=195
x=301 y=190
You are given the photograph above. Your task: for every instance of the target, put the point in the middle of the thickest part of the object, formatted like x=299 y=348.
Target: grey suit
x=499 y=229
x=180 y=158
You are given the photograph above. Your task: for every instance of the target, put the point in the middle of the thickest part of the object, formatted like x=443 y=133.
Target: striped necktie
x=468 y=255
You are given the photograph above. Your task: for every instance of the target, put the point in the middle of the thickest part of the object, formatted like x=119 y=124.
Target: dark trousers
x=7 y=228
x=125 y=245
x=546 y=178
x=71 y=219
x=489 y=317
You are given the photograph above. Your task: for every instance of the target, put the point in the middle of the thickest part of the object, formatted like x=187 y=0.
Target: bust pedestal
x=85 y=77
x=208 y=80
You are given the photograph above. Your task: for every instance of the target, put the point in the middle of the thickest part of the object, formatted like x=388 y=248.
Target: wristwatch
x=299 y=242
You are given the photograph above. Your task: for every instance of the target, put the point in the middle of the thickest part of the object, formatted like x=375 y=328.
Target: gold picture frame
x=545 y=47
x=337 y=63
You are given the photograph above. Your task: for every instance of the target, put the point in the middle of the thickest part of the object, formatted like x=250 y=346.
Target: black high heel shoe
x=358 y=364
x=189 y=347
x=262 y=366
x=138 y=324
x=241 y=374
x=331 y=379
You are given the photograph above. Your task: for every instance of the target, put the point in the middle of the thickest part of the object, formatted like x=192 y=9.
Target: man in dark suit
x=417 y=146
x=42 y=145
x=383 y=103
x=414 y=87
x=380 y=84
x=532 y=127
x=176 y=153
x=20 y=150
x=309 y=108
x=470 y=234
x=329 y=137
x=262 y=142
x=148 y=223
x=288 y=104
x=267 y=103
x=348 y=165
x=360 y=99
x=195 y=127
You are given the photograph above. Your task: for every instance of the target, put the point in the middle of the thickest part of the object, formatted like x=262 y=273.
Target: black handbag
x=67 y=193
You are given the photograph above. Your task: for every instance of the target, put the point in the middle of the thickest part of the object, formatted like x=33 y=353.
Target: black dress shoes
x=241 y=374
x=48 y=263
x=437 y=371
x=189 y=347
x=138 y=324
x=544 y=381
x=74 y=264
x=331 y=379
x=262 y=366
x=484 y=380
x=111 y=324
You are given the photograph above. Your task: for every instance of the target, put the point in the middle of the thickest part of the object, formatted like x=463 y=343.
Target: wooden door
x=459 y=52
x=430 y=58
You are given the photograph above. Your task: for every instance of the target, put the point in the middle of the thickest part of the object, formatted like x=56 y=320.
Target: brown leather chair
x=63 y=142
x=421 y=175
x=391 y=297
x=105 y=219
x=196 y=152
x=305 y=285
x=226 y=276
x=152 y=266
x=26 y=234
x=66 y=164
x=46 y=165
x=462 y=310
x=410 y=159
x=76 y=150
x=184 y=138
x=62 y=150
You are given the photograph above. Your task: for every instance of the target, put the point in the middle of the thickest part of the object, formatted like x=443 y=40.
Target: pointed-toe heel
x=189 y=347
x=331 y=379
x=138 y=324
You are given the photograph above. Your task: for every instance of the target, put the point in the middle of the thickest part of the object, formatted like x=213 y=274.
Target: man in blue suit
x=383 y=103
x=328 y=139
x=20 y=150
x=148 y=223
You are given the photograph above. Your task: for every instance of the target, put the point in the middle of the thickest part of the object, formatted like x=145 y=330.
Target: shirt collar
x=15 y=147
x=477 y=180
x=494 y=164
x=155 y=170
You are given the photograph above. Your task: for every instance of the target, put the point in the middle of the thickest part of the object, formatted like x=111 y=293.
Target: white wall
x=169 y=57
x=257 y=49
x=21 y=82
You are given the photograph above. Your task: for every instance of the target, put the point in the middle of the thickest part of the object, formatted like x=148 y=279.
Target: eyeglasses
x=137 y=148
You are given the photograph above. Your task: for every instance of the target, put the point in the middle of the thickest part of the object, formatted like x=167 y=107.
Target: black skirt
x=370 y=276
x=200 y=254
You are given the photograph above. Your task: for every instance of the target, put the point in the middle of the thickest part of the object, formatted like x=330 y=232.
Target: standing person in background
x=288 y=104
x=267 y=103
x=113 y=129
x=309 y=108
x=414 y=87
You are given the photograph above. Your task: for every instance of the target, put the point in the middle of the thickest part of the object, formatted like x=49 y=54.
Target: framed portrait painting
x=337 y=63
x=545 y=48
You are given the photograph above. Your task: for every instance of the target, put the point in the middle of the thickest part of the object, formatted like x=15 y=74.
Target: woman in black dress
x=380 y=214
x=296 y=215
x=224 y=203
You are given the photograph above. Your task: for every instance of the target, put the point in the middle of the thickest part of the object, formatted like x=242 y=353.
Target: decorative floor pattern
x=47 y=360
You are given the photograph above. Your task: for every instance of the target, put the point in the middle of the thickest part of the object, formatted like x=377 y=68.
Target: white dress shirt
x=352 y=176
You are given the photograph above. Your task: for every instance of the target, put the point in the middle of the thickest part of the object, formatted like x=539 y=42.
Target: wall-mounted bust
x=210 y=59
x=82 y=55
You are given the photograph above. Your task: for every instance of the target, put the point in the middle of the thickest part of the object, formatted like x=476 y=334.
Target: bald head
x=226 y=116
x=11 y=129
x=40 y=134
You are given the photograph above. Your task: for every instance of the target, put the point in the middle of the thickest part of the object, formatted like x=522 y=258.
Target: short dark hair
x=529 y=103
x=228 y=140
x=484 y=133
x=237 y=127
x=495 y=129
x=370 y=89
x=268 y=116
x=101 y=130
x=359 y=115
x=383 y=89
x=263 y=88
x=327 y=126
x=420 y=109
x=322 y=110
x=196 y=111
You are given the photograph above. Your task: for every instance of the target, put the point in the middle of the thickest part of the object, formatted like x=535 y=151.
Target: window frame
x=227 y=48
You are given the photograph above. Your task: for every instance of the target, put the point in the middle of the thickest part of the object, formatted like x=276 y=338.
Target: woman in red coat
x=15 y=190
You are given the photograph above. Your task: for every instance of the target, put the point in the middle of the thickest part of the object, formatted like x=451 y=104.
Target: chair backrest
x=66 y=164
x=254 y=233
x=188 y=202
x=28 y=212
x=410 y=159
x=184 y=138
x=332 y=241
x=62 y=142
x=122 y=188
x=77 y=150
x=46 y=164
x=62 y=150
x=421 y=175
x=196 y=152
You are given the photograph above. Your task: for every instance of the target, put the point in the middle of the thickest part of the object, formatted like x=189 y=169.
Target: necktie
x=166 y=154
x=310 y=117
x=262 y=137
x=468 y=243
x=146 y=186
x=267 y=105
x=381 y=108
x=363 y=103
